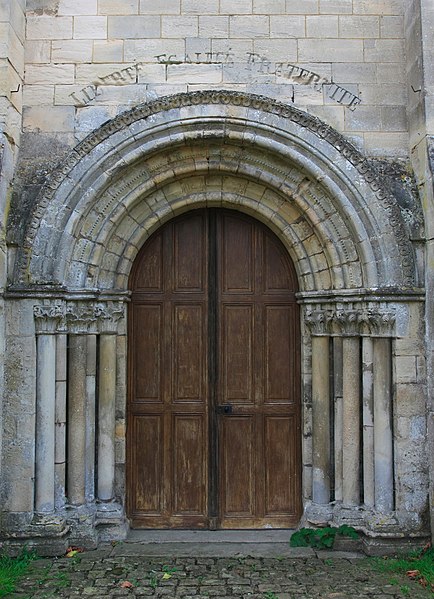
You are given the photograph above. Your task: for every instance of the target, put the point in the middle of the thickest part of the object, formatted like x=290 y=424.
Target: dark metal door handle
x=224 y=409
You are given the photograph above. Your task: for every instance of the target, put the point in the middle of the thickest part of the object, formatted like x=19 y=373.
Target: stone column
x=368 y=423
x=45 y=411
x=77 y=419
x=60 y=452
x=321 y=419
x=47 y=318
x=338 y=414
x=91 y=356
x=351 y=421
x=383 y=438
x=106 y=417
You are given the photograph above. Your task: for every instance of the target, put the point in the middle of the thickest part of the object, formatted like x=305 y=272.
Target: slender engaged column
x=321 y=419
x=45 y=419
x=338 y=424
x=368 y=424
x=351 y=417
x=383 y=441
x=106 y=417
x=76 y=419
x=60 y=453
x=90 y=416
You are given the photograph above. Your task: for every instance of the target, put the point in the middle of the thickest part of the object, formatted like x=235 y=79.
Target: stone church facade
x=216 y=267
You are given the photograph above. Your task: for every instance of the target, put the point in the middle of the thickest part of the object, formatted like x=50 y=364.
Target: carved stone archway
x=343 y=230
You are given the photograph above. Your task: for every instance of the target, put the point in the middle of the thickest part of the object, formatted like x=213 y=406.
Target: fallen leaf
x=413 y=573
x=166 y=576
x=126 y=584
x=71 y=553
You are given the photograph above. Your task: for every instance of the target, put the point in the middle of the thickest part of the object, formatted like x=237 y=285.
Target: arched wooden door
x=213 y=412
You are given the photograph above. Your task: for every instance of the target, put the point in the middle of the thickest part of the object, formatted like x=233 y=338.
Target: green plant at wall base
x=12 y=568
x=321 y=538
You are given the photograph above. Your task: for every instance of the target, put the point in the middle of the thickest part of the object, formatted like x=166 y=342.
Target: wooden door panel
x=279 y=464
x=279 y=364
x=148 y=354
x=238 y=466
x=150 y=275
x=276 y=274
x=236 y=353
x=189 y=353
x=147 y=464
x=237 y=274
x=189 y=251
x=190 y=465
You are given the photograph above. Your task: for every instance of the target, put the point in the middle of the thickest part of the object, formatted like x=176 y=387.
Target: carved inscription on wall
x=254 y=67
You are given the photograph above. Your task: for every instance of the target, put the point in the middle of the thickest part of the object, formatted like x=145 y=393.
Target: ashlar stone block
x=118 y=7
x=284 y=26
x=387 y=144
x=276 y=50
x=160 y=7
x=148 y=50
x=214 y=26
x=129 y=27
x=194 y=73
x=335 y=6
x=355 y=72
x=198 y=7
x=295 y=7
x=58 y=118
x=359 y=27
x=330 y=50
x=249 y=26
x=376 y=7
x=72 y=51
x=90 y=28
x=174 y=27
x=108 y=51
x=268 y=7
x=389 y=50
x=392 y=27
x=49 y=74
x=77 y=7
x=236 y=7
x=34 y=95
x=37 y=51
x=322 y=26
x=49 y=28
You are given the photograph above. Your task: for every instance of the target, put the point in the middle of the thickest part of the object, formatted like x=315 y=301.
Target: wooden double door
x=213 y=413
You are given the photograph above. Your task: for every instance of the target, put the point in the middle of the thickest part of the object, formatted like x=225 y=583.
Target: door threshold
x=210 y=536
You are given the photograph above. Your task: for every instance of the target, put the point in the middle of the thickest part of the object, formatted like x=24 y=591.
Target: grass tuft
x=417 y=565
x=12 y=568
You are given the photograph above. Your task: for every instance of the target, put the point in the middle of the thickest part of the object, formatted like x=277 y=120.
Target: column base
x=380 y=534
x=111 y=523
x=47 y=534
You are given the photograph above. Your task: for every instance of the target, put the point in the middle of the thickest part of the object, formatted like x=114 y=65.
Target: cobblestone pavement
x=102 y=574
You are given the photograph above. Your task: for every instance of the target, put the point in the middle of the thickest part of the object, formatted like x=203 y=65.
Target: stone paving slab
x=321 y=575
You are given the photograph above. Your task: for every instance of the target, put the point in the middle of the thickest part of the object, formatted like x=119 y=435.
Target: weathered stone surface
x=353 y=222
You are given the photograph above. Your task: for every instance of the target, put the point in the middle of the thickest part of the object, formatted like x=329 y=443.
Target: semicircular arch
x=341 y=228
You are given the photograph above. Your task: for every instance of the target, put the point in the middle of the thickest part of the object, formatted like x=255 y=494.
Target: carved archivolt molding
x=350 y=323
x=250 y=101
x=78 y=317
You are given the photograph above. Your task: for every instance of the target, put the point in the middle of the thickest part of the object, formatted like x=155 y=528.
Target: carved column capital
x=81 y=317
x=49 y=318
x=92 y=317
x=109 y=314
x=318 y=321
x=350 y=322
